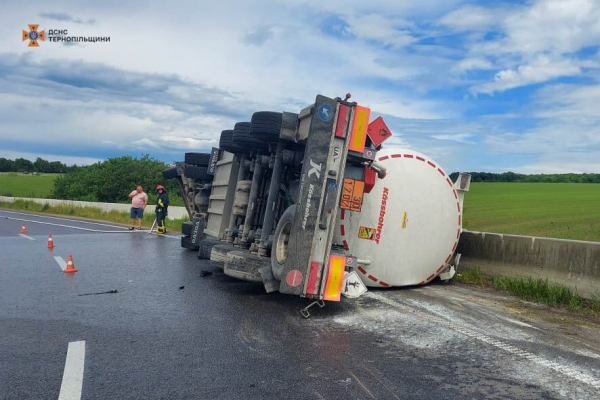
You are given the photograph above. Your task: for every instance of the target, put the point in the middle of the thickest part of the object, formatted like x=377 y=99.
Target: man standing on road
x=139 y=201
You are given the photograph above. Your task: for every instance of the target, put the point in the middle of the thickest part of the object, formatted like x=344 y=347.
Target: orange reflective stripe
x=359 y=129
x=335 y=278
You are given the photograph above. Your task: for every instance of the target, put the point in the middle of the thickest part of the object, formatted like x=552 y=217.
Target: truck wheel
x=245 y=266
x=243 y=139
x=280 y=241
x=187 y=228
x=218 y=253
x=194 y=172
x=170 y=173
x=206 y=246
x=200 y=159
x=226 y=142
x=266 y=126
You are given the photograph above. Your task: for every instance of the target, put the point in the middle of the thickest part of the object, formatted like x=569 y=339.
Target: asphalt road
x=218 y=338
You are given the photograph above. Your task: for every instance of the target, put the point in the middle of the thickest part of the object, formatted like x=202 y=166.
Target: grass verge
x=531 y=289
x=89 y=213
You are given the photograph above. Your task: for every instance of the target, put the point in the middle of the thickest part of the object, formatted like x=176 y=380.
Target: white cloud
x=458 y=137
x=541 y=69
x=471 y=18
x=471 y=63
x=389 y=31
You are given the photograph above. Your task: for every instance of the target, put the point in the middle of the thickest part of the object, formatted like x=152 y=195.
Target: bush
x=111 y=181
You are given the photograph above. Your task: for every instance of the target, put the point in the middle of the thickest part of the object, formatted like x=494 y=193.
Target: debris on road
x=204 y=273
x=107 y=292
x=181 y=287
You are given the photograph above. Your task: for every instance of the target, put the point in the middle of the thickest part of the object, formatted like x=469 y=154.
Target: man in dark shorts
x=139 y=201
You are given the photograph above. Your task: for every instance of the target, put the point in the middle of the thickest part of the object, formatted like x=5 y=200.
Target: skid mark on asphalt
x=70 y=388
x=555 y=366
x=361 y=384
x=26 y=237
x=61 y=262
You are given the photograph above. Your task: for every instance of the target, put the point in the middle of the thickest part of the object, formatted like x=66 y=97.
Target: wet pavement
x=219 y=338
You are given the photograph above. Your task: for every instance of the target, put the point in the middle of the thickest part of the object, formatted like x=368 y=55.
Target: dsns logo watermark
x=34 y=36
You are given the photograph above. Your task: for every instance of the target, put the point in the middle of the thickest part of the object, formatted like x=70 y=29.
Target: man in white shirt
x=139 y=201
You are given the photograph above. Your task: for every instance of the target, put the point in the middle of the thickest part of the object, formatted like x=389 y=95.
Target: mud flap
x=271 y=284
x=196 y=236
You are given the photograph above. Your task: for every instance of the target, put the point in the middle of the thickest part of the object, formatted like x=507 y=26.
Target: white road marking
x=61 y=262
x=72 y=381
x=124 y=229
x=69 y=226
x=555 y=366
x=64 y=219
x=26 y=237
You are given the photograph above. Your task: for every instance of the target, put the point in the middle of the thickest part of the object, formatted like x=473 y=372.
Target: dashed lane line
x=553 y=365
x=25 y=236
x=61 y=262
x=72 y=381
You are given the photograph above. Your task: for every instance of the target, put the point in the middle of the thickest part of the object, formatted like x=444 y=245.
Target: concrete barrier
x=174 y=212
x=573 y=263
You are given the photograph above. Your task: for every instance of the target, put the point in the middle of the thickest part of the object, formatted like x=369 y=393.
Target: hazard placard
x=352 y=194
x=366 y=233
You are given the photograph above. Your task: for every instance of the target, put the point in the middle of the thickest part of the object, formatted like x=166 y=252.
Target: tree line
x=514 y=177
x=112 y=180
x=39 y=165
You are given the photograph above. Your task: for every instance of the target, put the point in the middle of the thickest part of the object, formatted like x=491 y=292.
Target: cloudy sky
x=477 y=85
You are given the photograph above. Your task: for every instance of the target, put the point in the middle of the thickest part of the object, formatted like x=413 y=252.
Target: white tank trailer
x=313 y=204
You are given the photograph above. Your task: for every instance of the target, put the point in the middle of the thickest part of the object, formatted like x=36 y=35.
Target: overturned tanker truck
x=310 y=204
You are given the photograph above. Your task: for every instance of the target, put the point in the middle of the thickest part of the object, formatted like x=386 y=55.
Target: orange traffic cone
x=50 y=242
x=70 y=266
x=23 y=229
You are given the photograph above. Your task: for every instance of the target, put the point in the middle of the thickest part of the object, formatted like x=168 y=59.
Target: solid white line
x=72 y=381
x=125 y=230
x=553 y=365
x=69 y=226
x=61 y=262
x=64 y=219
x=26 y=237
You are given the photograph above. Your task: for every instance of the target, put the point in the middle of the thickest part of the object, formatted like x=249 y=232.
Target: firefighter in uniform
x=162 y=203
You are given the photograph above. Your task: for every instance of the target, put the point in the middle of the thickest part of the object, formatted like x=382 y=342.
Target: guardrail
x=174 y=212
x=573 y=263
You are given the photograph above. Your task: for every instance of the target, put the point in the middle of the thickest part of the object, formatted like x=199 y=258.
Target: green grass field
x=19 y=185
x=559 y=210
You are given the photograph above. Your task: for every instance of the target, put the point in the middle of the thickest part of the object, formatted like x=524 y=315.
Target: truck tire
x=218 y=253
x=280 y=241
x=186 y=243
x=266 y=126
x=200 y=159
x=243 y=139
x=245 y=266
x=187 y=228
x=206 y=246
x=226 y=142
x=194 y=172
x=170 y=173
